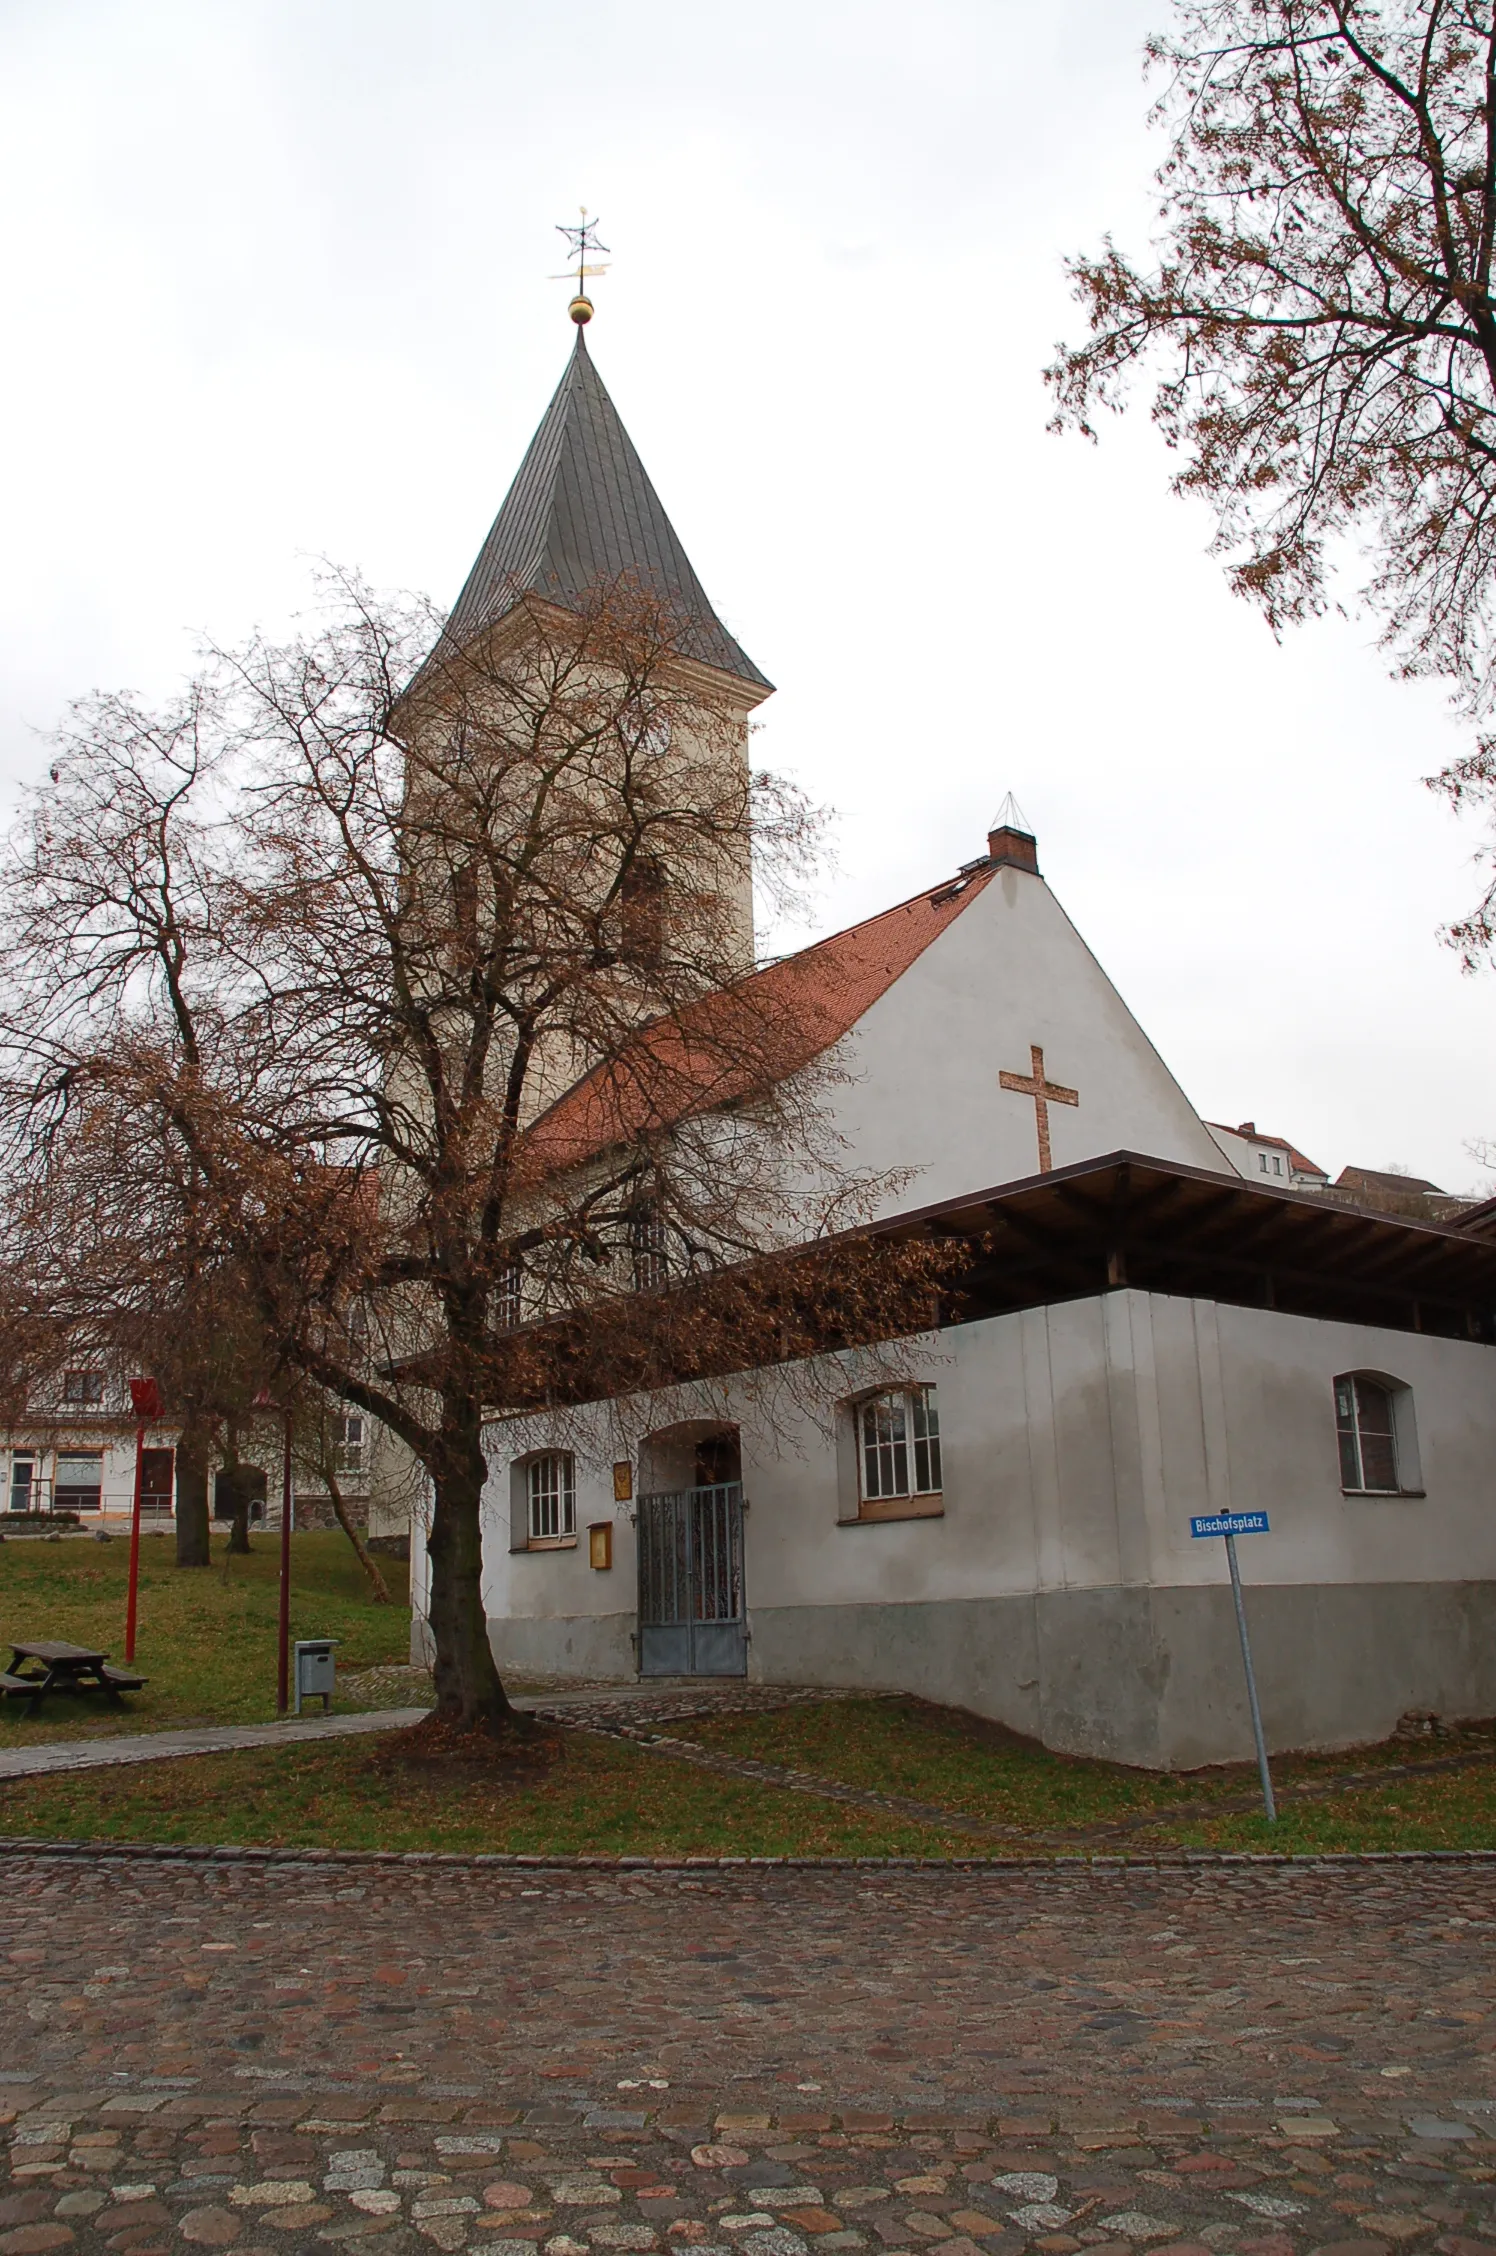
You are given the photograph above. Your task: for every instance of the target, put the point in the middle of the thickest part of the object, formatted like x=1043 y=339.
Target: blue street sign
x=1231 y=1523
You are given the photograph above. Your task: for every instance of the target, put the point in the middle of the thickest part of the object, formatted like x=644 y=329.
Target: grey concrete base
x=590 y=1645
x=1154 y=1677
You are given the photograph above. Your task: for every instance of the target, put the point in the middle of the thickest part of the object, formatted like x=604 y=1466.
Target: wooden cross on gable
x=1044 y=1093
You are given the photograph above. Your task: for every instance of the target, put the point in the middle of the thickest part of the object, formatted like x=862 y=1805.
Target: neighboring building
x=75 y=1452
x=1267 y=1159
x=1389 y=1191
x=1154 y=1325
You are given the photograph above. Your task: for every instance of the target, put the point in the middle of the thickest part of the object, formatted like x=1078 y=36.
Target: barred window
x=1368 y=1437
x=898 y=1438
x=647 y=1249
x=509 y=1304
x=552 y=1488
x=347 y=1443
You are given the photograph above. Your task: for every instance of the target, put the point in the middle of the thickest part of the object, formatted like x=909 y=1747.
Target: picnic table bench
x=55 y=1666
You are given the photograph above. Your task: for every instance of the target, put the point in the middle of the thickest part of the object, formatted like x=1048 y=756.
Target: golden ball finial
x=580 y=310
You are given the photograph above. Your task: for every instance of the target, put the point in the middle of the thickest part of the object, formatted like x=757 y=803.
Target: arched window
x=898 y=1445
x=1373 y=1421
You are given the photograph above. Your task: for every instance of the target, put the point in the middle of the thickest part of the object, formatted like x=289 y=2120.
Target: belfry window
x=641 y=913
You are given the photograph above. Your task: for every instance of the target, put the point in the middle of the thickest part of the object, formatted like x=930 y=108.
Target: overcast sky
x=276 y=278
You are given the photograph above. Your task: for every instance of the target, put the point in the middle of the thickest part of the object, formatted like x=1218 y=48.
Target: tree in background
x=1320 y=321
x=321 y=1453
x=295 y=970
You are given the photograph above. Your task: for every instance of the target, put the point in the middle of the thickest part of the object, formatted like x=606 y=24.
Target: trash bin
x=316 y=1670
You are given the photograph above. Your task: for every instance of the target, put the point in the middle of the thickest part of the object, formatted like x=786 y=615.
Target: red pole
x=130 y=1603
x=283 y=1653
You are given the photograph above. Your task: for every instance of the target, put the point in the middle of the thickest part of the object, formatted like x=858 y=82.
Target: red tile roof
x=1253 y=1134
x=748 y=1037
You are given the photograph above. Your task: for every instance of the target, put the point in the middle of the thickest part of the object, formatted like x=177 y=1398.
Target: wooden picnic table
x=52 y=1665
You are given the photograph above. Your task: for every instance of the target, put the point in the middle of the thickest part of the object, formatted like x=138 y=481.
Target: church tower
x=582 y=518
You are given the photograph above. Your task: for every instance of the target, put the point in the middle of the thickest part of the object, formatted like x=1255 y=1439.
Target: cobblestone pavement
x=1254 y=2060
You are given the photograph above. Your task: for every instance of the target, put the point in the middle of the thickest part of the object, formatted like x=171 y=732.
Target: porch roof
x=1127 y=1219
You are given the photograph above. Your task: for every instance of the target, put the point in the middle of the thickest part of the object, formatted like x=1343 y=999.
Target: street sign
x=1231 y=1525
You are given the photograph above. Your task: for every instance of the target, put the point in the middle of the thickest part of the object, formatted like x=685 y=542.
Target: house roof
x=747 y=1037
x=1168 y=1228
x=1378 y=1179
x=1253 y=1134
x=581 y=515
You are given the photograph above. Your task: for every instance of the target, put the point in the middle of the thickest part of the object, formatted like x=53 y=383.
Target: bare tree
x=1320 y=318
x=320 y=1453
x=303 y=965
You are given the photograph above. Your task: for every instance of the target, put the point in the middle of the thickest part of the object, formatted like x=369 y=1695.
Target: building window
x=83 y=1388
x=550 y=1483
x=1277 y=1164
x=80 y=1480
x=509 y=1311
x=641 y=913
x=1366 y=1421
x=347 y=1443
x=898 y=1446
x=1262 y=1163
x=647 y=1249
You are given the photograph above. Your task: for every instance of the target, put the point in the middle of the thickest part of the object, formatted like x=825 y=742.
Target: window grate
x=551 y=1483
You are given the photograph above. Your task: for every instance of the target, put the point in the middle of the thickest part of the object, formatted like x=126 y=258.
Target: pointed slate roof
x=582 y=513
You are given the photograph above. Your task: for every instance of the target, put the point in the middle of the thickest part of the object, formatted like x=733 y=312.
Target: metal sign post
x=1231 y=1525
x=145 y=1401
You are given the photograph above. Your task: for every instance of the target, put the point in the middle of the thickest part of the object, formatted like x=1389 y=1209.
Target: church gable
x=1004 y=1051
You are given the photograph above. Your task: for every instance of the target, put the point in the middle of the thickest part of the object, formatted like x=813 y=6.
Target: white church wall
x=1061 y=1591
x=925 y=1060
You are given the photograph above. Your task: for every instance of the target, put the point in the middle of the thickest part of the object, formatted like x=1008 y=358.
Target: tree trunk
x=377 y=1583
x=243 y=1485
x=193 y=1548
x=469 y=1695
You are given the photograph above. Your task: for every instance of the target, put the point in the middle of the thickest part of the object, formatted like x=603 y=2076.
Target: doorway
x=156 y=1469
x=692 y=1611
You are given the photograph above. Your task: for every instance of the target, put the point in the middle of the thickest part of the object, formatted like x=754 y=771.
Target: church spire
x=582 y=514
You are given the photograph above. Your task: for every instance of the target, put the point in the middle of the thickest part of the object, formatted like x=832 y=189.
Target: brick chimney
x=1010 y=847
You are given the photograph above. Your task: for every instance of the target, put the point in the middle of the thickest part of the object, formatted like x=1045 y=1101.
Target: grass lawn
x=606 y=1797
x=940 y=1755
x=207 y=1635
x=601 y=1796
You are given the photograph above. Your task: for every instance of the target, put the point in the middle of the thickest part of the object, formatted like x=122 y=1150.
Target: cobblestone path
x=278 y=2056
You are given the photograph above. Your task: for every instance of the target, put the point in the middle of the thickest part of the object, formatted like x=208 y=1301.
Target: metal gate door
x=692 y=1620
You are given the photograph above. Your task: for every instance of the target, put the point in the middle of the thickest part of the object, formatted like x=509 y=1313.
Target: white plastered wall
x=924 y=1062
x=1078 y=1441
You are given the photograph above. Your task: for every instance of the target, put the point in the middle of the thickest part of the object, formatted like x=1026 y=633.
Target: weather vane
x=583 y=241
